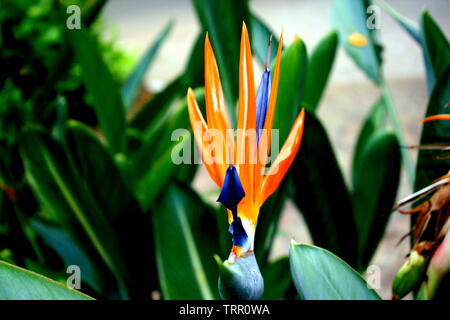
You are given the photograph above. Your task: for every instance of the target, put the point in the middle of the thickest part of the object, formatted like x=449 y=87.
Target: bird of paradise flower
x=429 y=259
x=238 y=168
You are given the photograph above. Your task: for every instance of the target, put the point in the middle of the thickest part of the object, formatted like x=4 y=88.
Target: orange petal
x=245 y=154
x=284 y=159
x=273 y=97
x=216 y=114
x=445 y=176
x=436 y=117
x=200 y=130
x=264 y=142
x=249 y=210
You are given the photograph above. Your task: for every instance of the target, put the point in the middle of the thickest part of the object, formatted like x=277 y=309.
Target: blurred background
x=348 y=93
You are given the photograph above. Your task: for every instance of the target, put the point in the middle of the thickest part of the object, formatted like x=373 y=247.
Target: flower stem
x=393 y=116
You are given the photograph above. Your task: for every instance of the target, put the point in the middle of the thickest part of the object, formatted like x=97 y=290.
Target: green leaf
x=153 y=165
x=102 y=177
x=223 y=233
x=434 y=43
x=21 y=284
x=437 y=49
x=59 y=187
x=92 y=10
x=260 y=39
x=222 y=19
x=185 y=239
x=293 y=69
x=96 y=165
x=100 y=85
x=375 y=190
x=157 y=106
x=162 y=101
x=193 y=75
x=317 y=176
x=375 y=173
x=63 y=244
x=349 y=16
x=277 y=279
x=319 y=68
x=375 y=121
x=320 y=275
x=269 y=216
x=435 y=132
x=134 y=80
x=408 y=25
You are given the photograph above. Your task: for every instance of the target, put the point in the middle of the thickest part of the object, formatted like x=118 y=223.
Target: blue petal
x=262 y=102
x=230 y=196
x=238 y=232
x=232 y=191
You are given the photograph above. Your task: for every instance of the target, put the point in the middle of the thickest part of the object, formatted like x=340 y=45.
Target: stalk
x=393 y=117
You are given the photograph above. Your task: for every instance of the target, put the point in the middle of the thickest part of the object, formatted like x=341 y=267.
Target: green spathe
x=240 y=280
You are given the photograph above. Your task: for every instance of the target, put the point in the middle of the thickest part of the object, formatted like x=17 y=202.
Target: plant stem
x=393 y=116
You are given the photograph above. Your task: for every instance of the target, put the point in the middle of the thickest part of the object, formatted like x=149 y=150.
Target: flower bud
x=439 y=266
x=409 y=275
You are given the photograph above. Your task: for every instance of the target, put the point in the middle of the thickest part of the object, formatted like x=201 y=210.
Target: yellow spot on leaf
x=357 y=39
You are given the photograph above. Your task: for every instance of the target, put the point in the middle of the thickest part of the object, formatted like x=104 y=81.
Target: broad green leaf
x=375 y=121
x=186 y=240
x=317 y=176
x=158 y=105
x=96 y=165
x=319 y=67
x=293 y=69
x=59 y=187
x=193 y=75
x=435 y=132
x=21 y=284
x=176 y=124
x=63 y=244
x=277 y=279
x=134 y=80
x=408 y=25
x=36 y=267
x=223 y=227
x=375 y=190
x=260 y=38
x=100 y=85
x=437 y=49
x=433 y=41
x=349 y=16
x=268 y=219
x=155 y=180
x=320 y=275
x=222 y=19
x=91 y=10
x=154 y=164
